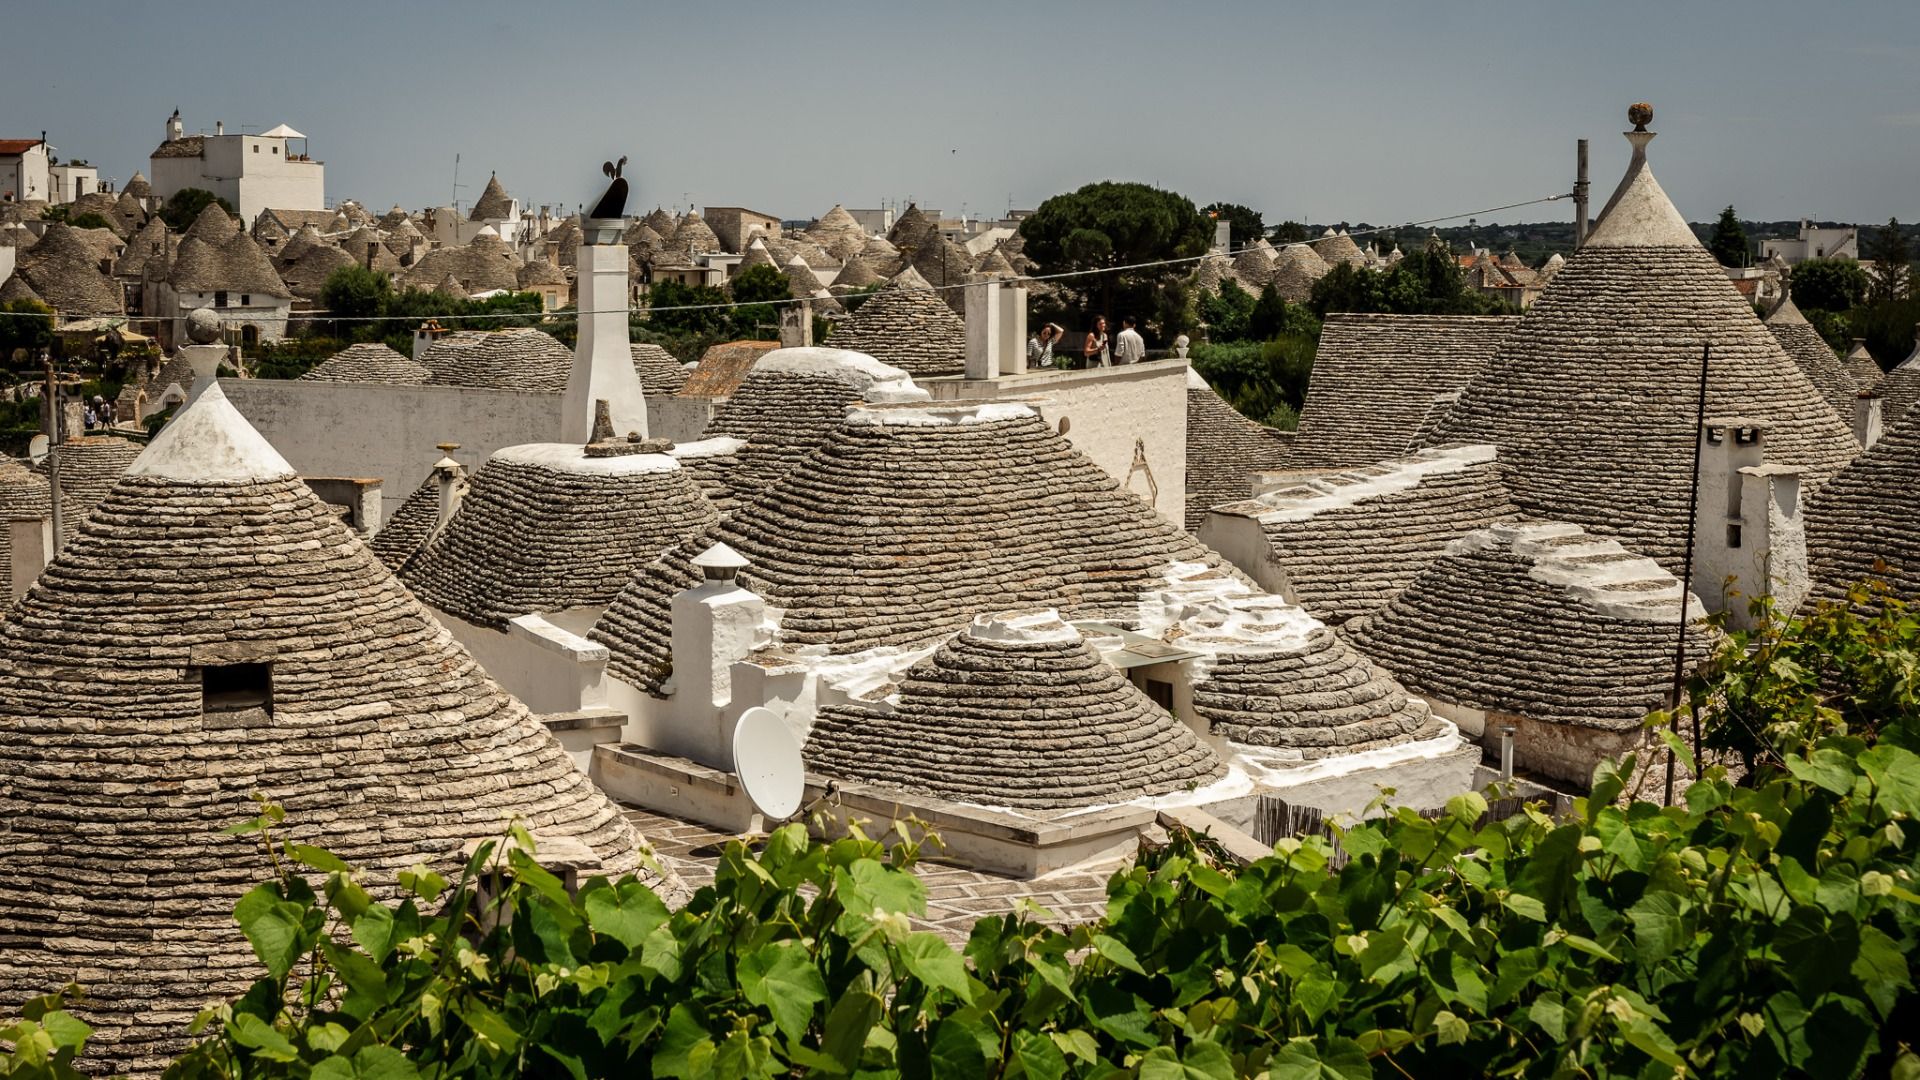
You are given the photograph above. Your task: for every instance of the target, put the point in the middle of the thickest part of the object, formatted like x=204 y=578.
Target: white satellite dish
x=767 y=758
x=37 y=448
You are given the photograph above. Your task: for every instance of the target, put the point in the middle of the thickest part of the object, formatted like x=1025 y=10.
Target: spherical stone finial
x=1640 y=114
x=203 y=326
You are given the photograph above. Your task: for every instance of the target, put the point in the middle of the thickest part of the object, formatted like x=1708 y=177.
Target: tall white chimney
x=1751 y=539
x=1867 y=422
x=715 y=624
x=602 y=359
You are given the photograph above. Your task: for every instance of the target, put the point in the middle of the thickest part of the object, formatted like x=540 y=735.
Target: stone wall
x=1106 y=410
x=388 y=433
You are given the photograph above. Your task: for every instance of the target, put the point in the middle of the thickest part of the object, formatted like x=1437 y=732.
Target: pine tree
x=1892 y=273
x=1729 y=240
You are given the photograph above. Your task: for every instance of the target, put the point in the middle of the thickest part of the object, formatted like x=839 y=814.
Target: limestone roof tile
x=370 y=362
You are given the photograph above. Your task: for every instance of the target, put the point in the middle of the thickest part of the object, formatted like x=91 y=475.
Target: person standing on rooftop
x=1093 y=352
x=1128 y=346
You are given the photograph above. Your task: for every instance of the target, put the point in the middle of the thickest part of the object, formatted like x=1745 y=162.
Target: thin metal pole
x=1686 y=580
x=1580 y=187
x=51 y=395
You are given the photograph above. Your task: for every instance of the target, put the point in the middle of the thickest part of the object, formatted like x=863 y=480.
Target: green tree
x=1272 y=317
x=1729 y=241
x=26 y=327
x=1828 y=284
x=1892 y=275
x=758 y=289
x=1226 y=312
x=668 y=304
x=354 y=292
x=186 y=204
x=1111 y=224
x=1244 y=224
x=1288 y=232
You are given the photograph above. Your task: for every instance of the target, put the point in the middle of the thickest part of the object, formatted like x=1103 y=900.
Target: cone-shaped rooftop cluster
x=1017 y=710
x=1592 y=398
x=906 y=523
x=524 y=359
x=250 y=644
x=545 y=527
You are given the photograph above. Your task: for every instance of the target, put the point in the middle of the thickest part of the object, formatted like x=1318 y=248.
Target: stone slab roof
x=1349 y=542
x=910 y=328
x=407 y=529
x=1901 y=390
x=1809 y=350
x=89 y=467
x=1376 y=378
x=1540 y=620
x=659 y=370
x=63 y=270
x=523 y=359
x=544 y=528
x=1223 y=448
x=1274 y=676
x=376 y=731
x=1865 y=516
x=906 y=523
x=1015 y=711
x=370 y=362
x=723 y=368
x=484 y=264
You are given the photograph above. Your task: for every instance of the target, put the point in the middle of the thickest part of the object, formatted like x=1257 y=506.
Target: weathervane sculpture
x=613 y=204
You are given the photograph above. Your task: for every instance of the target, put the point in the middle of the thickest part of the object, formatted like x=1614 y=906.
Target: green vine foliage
x=1758 y=928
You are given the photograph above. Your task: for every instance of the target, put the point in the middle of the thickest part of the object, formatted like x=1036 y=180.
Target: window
x=236 y=692
x=256 y=148
x=246 y=299
x=220 y=299
x=275 y=150
x=1161 y=693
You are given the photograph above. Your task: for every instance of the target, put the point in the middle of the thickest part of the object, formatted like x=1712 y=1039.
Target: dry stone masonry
x=1223 y=450
x=369 y=362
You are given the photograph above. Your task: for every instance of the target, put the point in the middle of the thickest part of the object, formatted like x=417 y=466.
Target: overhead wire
x=563 y=314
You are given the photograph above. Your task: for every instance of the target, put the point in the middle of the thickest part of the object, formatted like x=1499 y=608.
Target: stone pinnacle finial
x=1640 y=114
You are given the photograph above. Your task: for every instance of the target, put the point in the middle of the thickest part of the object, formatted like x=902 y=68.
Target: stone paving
x=956 y=897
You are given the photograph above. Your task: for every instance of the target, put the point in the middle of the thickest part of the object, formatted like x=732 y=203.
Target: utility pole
x=51 y=395
x=1580 y=198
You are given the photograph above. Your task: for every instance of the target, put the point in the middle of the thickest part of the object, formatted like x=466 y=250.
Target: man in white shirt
x=1129 y=347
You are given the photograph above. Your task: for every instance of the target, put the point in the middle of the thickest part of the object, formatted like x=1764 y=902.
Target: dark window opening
x=220 y=299
x=233 y=688
x=1161 y=693
x=1733 y=536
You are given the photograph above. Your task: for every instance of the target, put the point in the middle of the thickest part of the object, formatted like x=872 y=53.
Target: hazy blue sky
x=1351 y=111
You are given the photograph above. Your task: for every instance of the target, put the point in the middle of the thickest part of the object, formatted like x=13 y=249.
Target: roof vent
x=720 y=563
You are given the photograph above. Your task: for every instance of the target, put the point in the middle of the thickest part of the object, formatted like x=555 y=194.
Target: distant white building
x=1813 y=243
x=251 y=172
x=24 y=175
x=72 y=179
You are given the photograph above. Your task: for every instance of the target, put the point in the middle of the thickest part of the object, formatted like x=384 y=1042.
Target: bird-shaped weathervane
x=613 y=204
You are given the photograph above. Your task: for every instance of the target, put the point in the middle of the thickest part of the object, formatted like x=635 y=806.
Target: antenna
x=767 y=759
x=457 y=185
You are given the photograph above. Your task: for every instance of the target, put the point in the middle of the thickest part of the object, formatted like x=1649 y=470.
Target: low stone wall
x=388 y=433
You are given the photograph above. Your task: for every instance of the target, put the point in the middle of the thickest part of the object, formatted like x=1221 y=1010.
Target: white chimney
x=996 y=321
x=219 y=127
x=715 y=624
x=448 y=474
x=602 y=359
x=1867 y=424
x=31 y=546
x=1750 y=537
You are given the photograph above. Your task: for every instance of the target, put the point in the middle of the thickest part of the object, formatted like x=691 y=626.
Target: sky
x=1325 y=112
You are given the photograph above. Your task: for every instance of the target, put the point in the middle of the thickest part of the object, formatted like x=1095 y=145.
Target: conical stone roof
x=1337 y=247
x=909 y=328
x=485 y=264
x=297 y=245
x=363 y=240
x=912 y=229
x=376 y=731
x=63 y=270
x=881 y=256
x=1862 y=368
x=1016 y=710
x=758 y=254
x=907 y=522
x=369 y=362
x=1591 y=399
x=1809 y=350
x=660 y=371
x=1866 y=516
x=1275 y=676
x=409 y=528
x=1295 y=269
x=838 y=233
x=544 y=527
x=854 y=276
x=522 y=359
x=1901 y=390
x=790 y=401
x=1254 y=268
x=1223 y=449
x=306 y=277
x=494 y=203
x=1539 y=620
x=695 y=235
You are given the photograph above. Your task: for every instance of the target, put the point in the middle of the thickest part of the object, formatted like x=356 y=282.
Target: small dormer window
x=220 y=298
x=236 y=693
